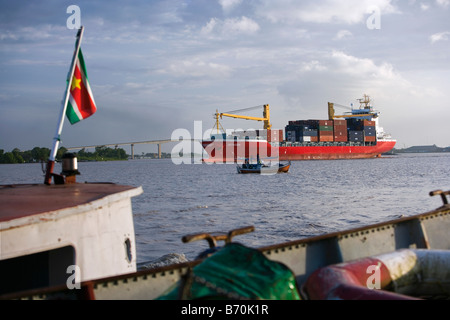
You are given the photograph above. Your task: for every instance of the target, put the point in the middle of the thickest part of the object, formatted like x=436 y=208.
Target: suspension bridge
x=132 y=144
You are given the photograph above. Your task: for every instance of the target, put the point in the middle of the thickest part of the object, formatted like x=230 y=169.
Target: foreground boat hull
x=424 y=231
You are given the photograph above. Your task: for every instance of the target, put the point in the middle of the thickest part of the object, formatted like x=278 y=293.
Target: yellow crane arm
x=241 y=117
x=266 y=117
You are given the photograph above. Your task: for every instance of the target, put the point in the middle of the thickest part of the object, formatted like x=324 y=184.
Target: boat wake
x=166 y=260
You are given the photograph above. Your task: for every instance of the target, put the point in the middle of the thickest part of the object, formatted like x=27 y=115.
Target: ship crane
x=232 y=114
x=365 y=110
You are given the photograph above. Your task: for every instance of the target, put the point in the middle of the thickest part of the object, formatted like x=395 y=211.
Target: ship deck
x=28 y=200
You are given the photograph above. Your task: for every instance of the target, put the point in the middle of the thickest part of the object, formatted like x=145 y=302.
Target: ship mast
x=365 y=101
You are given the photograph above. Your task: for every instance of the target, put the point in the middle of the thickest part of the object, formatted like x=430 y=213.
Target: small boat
x=263 y=168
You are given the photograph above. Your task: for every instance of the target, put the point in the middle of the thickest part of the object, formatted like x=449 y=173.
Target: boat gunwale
x=340 y=234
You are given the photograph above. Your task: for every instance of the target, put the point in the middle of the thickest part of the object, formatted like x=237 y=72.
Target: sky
x=158 y=66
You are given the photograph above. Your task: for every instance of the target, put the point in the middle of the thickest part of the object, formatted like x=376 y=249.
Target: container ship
x=356 y=134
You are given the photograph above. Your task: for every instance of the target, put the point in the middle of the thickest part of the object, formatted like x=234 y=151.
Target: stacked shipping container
x=370 y=133
x=338 y=130
x=325 y=130
x=302 y=131
x=361 y=130
x=269 y=135
x=274 y=135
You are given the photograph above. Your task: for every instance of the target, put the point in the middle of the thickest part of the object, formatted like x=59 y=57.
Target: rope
x=246 y=109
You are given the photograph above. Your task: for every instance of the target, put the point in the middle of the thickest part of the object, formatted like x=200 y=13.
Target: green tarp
x=236 y=272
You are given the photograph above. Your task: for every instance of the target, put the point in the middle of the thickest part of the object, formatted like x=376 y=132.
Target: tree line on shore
x=38 y=154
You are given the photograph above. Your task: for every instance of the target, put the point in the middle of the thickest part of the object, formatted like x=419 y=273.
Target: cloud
x=443 y=3
x=197 y=68
x=37 y=33
x=228 y=5
x=441 y=36
x=209 y=27
x=339 y=75
x=343 y=34
x=424 y=6
x=32 y=62
x=363 y=67
x=232 y=26
x=242 y=25
x=328 y=11
x=313 y=65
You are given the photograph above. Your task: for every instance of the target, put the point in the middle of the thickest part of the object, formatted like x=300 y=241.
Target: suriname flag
x=81 y=104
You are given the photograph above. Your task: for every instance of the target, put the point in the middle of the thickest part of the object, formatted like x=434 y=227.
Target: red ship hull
x=236 y=151
x=223 y=151
x=335 y=152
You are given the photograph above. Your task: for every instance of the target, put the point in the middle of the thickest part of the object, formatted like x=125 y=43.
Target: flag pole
x=56 y=139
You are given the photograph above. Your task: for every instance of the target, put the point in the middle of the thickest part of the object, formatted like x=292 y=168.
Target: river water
x=314 y=198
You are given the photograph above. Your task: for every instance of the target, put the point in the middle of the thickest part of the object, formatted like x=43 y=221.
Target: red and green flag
x=81 y=104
